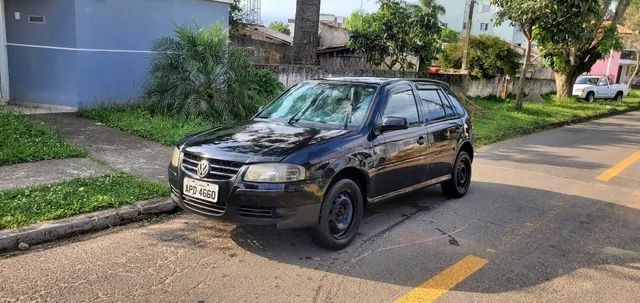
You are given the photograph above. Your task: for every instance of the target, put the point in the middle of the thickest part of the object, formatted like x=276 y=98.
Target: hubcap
x=341 y=214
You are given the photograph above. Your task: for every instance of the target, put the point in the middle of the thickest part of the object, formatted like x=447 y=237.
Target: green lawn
x=134 y=119
x=495 y=119
x=21 y=207
x=24 y=140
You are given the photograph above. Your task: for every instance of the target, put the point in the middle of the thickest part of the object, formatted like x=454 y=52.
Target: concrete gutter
x=11 y=239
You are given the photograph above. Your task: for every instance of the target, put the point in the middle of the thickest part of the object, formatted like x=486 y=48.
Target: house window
x=464 y=25
x=518 y=28
x=484 y=26
x=36 y=19
x=486 y=8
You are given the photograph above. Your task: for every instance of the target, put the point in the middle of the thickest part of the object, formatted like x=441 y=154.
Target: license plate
x=200 y=190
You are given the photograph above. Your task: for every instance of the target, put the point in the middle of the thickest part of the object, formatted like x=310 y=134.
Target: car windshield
x=587 y=80
x=336 y=104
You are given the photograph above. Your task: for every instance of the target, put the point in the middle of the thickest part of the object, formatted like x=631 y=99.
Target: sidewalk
x=111 y=147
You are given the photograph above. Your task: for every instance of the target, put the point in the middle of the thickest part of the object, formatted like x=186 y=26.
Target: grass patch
x=133 y=118
x=21 y=207
x=497 y=120
x=24 y=140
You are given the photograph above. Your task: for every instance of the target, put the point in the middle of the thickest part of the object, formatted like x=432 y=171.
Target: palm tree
x=305 y=39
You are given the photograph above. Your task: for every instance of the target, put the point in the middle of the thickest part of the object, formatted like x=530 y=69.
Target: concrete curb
x=52 y=230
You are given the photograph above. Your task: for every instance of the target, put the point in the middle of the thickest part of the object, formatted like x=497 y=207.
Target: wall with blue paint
x=81 y=77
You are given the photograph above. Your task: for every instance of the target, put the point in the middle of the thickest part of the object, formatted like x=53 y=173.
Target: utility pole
x=467 y=37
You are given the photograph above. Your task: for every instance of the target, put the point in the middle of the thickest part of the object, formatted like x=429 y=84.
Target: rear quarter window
x=457 y=105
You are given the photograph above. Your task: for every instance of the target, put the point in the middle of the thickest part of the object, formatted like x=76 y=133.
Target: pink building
x=618 y=65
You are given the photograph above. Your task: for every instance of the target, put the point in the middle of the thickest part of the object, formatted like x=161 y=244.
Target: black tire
x=619 y=97
x=458 y=185
x=336 y=230
x=590 y=97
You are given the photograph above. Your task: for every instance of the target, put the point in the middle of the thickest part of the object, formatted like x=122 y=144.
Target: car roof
x=382 y=80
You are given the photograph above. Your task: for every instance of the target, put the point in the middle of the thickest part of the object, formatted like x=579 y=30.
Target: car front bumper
x=291 y=205
x=580 y=95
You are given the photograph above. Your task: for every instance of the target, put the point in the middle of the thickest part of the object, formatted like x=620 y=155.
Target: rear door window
x=432 y=105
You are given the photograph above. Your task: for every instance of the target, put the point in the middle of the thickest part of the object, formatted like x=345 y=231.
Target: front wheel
x=458 y=185
x=591 y=96
x=340 y=216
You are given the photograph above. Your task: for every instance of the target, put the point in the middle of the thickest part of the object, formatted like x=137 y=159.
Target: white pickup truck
x=599 y=87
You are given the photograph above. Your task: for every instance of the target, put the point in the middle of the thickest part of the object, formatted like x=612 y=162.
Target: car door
x=603 y=88
x=444 y=129
x=404 y=150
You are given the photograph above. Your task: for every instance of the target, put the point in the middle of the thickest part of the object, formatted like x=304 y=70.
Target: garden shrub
x=198 y=73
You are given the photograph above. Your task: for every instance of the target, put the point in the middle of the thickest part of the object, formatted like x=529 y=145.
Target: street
x=550 y=217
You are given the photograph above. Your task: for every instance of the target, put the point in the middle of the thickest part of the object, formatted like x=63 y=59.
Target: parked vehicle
x=591 y=88
x=319 y=153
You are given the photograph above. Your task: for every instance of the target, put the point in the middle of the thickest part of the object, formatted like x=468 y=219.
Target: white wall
x=457 y=12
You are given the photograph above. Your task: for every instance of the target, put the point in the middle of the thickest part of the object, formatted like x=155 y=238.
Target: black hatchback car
x=318 y=154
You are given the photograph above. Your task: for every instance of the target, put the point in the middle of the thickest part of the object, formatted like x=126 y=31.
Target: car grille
x=256 y=212
x=203 y=207
x=220 y=169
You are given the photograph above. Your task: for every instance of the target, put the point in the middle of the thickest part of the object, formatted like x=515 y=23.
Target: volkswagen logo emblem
x=203 y=169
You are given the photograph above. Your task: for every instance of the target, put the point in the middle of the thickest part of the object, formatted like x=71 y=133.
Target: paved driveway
x=536 y=226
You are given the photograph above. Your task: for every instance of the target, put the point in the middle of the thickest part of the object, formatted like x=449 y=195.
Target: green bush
x=489 y=57
x=200 y=74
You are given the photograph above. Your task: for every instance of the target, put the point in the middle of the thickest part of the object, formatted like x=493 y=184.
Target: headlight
x=275 y=173
x=175 y=157
x=580 y=90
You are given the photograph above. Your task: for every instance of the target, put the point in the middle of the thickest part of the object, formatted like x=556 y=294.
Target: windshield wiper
x=303 y=111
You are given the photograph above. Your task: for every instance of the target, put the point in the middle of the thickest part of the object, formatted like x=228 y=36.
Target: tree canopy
x=575 y=34
x=280 y=27
x=489 y=57
x=448 y=35
x=396 y=31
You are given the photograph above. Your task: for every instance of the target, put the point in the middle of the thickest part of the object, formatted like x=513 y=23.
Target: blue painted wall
x=82 y=78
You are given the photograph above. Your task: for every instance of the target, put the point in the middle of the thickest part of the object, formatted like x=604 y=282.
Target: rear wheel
x=458 y=185
x=619 y=96
x=591 y=96
x=340 y=216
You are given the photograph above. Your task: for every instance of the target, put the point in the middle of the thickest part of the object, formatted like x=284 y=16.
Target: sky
x=282 y=10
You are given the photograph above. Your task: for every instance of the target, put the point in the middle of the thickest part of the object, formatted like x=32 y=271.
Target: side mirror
x=393 y=123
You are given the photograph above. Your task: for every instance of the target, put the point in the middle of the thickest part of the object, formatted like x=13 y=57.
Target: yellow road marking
x=618 y=168
x=437 y=286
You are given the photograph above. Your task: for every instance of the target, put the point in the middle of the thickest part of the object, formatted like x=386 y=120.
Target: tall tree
x=525 y=14
x=575 y=34
x=305 y=37
x=396 y=31
x=632 y=22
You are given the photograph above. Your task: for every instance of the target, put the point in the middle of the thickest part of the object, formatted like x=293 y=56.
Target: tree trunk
x=306 y=39
x=564 y=84
x=635 y=71
x=523 y=75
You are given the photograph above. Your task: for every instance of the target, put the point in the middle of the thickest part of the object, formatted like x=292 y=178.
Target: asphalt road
x=536 y=226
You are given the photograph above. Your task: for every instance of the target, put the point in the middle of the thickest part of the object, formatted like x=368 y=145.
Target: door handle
x=422 y=140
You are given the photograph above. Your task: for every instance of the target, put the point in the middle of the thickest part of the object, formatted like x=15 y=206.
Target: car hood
x=257 y=141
